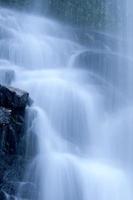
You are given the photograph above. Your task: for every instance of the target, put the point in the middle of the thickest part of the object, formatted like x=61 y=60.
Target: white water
x=84 y=147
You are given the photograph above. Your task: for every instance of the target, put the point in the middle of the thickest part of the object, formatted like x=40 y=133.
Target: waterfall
x=79 y=128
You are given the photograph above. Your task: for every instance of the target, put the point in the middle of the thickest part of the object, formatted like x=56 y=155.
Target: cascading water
x=83 y=147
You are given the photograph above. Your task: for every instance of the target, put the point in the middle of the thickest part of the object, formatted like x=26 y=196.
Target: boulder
x=12 y=114
x=10 y=188
x=3 y=195
x=13 y=103
x=13 y=98
x=5 y=116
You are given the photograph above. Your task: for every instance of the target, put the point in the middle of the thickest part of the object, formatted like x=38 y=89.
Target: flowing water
x=81 y=119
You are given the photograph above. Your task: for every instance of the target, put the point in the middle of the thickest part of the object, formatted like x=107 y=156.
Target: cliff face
x=82 y=13
x=13 y=103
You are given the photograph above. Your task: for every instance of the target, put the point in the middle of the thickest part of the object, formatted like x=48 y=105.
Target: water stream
x=83 y=120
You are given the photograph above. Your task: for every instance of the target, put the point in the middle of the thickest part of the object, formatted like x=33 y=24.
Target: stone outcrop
x=13 y=103
x=82 y=13
x=13 y=98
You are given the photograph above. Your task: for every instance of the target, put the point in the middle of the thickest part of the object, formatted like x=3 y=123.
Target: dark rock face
x=13 y=98
x=5 y=115
x=90 y=13
x=13 y=104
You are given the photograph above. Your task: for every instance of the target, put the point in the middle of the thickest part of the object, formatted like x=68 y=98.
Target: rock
x=10 y=188
x=3 y=195
x=5 y=116
x=6 y=76
x=4 y=164
x=13 y=103
x=27 y=190
x=12 y=116
x=9 y=140
x=6 y=133
x=13 y=98
x=16 y=170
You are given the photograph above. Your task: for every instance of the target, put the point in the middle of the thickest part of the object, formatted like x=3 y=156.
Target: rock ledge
x=13 y=103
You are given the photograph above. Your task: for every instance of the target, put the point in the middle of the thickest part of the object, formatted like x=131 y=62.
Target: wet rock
x=4 y=163
x=3 y=195
x=5 y=116
x=6 y=76
x=10 y=188
x=13 y=103
x=11 y=130
x=16 y=170
x=6 y=133
x=13 y=98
